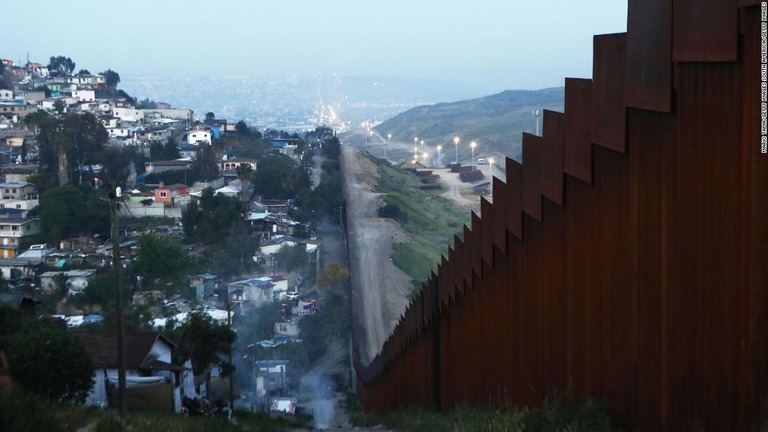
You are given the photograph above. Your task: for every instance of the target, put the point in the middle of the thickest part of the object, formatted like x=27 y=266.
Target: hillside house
x=16 y=269
x=232 y=164
x=154 y=381
x=197 y=137
x=18 y=191
x=128 y=114
x=203 y=284
x=13 y=231
x=169 y=194
x=289 y=329
x=255 y=292
x=157 y=134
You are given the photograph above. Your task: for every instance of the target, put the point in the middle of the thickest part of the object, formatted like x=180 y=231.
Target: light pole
x=439 y=147
x=456 y=148
x=490 y=170
x=472 y=146
x=425 y=157
x=415 y=153
x=422 y=145
x=536 y=114
x=415 y=141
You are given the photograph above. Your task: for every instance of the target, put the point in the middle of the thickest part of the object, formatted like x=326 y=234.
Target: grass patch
x=553 y=415
x=431 y=219
x=25 y=412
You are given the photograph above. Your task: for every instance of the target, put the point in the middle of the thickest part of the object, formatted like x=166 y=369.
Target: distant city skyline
x=499 y=44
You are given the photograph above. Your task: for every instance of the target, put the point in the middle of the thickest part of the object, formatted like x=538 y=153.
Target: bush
x=51 y=362
x=393 y=211
x=22 y=412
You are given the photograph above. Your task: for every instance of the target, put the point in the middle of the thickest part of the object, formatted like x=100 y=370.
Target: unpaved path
x=378 y=287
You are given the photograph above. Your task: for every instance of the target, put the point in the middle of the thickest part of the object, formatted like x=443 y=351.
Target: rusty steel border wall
x=627 y=258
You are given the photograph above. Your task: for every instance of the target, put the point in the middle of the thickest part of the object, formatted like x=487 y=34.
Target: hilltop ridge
x=496 y=122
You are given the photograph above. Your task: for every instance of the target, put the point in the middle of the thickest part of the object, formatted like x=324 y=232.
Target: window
x=163 y=194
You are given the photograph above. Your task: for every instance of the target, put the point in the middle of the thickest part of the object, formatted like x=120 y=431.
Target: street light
x=490 y=169
x=536 y=114
x=425 y=157
x=415 y=152
x=456 y=148
x=422 y=145
x=439 y=147
x=415 y=141
x=472 y=146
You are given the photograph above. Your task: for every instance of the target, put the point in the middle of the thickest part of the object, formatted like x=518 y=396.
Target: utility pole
x=231 y=369
x=121 y=402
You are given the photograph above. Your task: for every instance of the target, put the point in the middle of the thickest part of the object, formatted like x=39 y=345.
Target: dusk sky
x=502 y=44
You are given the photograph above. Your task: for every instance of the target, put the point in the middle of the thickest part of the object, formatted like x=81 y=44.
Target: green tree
x=328 y=323
x=49 y=361
x=84 y=72
x=292 y=257
x=61 y=212
x=331 y=148
x=67 y=210
x=244 y=172
x=111 y=77
x=242 y=129
x=334 y=273
x=190 y=219
x=170 y=150
x=201 y=340
x=205 y=165
x=59 y=106
x=209 y=116
x=156 y=151
x=237 y=257
x=116 y=163
x=157 y=256
x=60 y=65
x=86 y=136
x=279 y=177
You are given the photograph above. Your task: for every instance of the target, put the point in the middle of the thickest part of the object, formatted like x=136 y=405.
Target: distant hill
x=496 y=122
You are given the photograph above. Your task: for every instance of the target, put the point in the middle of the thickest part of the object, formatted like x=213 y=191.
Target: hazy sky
x=504 y=44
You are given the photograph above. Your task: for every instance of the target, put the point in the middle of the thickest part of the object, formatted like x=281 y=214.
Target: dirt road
x=378 y=287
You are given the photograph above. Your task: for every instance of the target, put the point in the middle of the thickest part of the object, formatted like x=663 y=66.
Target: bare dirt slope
x=378 y=287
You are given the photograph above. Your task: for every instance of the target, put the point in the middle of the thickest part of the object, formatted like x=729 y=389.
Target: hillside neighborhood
x=216 y=228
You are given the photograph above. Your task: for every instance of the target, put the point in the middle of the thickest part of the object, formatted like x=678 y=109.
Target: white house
x=128 y=114
x=255 y=292
x=118 y=132
x=153 y=381
x=84 y=95
x=87 y=80
x=197 y=137
x=287 y=328
x=6 y=95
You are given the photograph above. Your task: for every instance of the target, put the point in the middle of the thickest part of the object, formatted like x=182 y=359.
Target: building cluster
x=47 y=269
